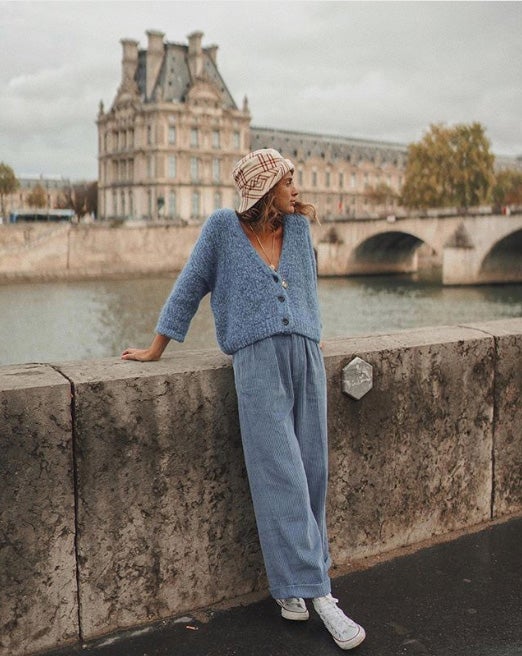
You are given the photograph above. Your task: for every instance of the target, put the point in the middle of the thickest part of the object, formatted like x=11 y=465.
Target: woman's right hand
x=142 y=355
x=154 y=352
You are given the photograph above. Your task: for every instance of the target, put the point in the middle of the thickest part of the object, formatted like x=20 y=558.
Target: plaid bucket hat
x=256 y=173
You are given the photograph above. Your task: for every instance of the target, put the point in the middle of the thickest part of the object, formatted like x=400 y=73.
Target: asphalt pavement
x=458 y=598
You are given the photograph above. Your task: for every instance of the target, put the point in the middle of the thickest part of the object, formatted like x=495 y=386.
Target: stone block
x=165 y=521
x=412 y=459
x=507 y=447
x=37 y=561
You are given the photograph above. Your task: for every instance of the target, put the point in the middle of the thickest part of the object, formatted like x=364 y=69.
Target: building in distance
x=169 y=142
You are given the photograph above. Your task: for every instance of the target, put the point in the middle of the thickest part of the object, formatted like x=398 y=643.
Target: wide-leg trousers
x=281 y=390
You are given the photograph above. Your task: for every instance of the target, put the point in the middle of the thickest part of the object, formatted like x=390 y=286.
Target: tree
x=507 y=189
x=449 y=167
x=382 y=194
x=37 y=197
x=82 y=198
x=8 y=184
x=92 y=198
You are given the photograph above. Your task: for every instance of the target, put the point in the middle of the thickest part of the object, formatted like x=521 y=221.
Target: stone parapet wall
x=93 y=250
x=124 y=498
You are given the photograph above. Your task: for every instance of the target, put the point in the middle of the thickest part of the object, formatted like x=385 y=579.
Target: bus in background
x=41 y=215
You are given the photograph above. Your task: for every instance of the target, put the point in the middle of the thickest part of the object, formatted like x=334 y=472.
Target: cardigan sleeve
x=193 y=283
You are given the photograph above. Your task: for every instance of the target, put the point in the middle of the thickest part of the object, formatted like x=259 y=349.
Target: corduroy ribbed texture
x=281 y=390
x=249 y=301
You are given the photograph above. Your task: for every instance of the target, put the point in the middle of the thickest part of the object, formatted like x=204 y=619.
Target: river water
x=58 y=321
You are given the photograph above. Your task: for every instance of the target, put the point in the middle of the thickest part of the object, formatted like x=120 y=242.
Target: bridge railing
x=124 y=498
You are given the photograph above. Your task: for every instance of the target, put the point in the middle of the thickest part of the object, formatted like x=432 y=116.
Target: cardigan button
x=285 y=322
x=281 y=299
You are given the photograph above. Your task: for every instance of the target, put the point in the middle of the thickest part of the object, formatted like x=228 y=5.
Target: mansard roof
x=174 y=80
x=301 y=146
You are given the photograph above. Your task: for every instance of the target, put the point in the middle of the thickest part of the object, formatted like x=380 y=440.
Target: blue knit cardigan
x=249 y=301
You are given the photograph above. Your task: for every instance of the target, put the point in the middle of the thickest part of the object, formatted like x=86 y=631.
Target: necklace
x=270 y=263
x=272 y=266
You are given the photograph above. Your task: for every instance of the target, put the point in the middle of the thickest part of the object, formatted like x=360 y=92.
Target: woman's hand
x=154 y=352
x=142 y=355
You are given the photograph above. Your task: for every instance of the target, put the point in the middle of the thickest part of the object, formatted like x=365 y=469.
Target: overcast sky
x=376 y=70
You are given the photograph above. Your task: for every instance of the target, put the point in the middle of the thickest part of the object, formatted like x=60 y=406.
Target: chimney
x=155 y=53
x=129 y=60
x=195 y=54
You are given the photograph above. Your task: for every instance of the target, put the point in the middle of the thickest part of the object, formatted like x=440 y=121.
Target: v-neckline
x=257 y=254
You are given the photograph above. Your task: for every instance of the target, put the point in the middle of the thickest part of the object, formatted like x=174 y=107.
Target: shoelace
x=334 y=615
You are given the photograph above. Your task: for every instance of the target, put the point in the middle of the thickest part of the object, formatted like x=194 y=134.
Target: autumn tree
x=37 y=197
x=507 y=188
x=8 y=184
x=382 y=194
x=449 y=167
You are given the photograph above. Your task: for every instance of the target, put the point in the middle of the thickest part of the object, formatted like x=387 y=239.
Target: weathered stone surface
x=507 y=485
x=411 y=459
x=165 y=521
x=164 y=517
x=37 y=563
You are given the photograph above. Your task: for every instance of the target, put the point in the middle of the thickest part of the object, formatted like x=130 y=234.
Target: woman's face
x=285 y=194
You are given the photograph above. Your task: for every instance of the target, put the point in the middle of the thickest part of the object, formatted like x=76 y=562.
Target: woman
x=259 y=266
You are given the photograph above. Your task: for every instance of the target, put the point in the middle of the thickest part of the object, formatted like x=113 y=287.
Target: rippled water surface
x=44 y=322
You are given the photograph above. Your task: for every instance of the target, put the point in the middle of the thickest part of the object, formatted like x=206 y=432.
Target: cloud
x=376 y=70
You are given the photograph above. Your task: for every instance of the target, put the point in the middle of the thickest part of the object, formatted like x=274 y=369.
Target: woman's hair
x=264 y=213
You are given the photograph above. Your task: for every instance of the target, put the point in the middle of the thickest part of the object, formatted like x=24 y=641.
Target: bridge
x=470 y=248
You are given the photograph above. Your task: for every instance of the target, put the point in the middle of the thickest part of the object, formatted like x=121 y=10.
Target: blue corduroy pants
x=281 y=390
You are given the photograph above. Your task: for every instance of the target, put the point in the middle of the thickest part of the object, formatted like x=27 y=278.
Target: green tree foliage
x=8 y=184
x=449 y=167
x=37 y=198
x=507 y=189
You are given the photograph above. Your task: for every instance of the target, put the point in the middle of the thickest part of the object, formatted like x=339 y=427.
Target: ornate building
x=340 y=176
x=169 y=142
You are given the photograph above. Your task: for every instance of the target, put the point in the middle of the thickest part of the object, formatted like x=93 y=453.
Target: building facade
x=342 y=177
x=169 y=142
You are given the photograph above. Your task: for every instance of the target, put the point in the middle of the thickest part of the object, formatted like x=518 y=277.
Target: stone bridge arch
x=367 y=247
x=392 y=251
x=503 y=262
x=486 y=251
x=470 y=249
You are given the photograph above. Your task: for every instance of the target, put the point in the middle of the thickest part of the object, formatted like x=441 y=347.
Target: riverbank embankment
x=124 y=494
x=468 y=249
x=64 y=251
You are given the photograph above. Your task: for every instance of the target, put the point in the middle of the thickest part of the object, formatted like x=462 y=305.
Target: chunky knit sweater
x=249 y=300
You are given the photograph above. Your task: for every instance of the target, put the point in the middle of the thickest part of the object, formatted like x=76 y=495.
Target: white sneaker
x=345 y=632
x=293 y=608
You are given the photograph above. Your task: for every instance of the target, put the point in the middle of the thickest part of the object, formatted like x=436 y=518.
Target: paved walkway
x=462 y=598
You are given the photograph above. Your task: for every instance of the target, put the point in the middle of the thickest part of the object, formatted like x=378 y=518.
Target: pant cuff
x=307 y=591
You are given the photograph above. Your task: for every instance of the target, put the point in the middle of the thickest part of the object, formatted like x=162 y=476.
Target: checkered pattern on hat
x=257 y=173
